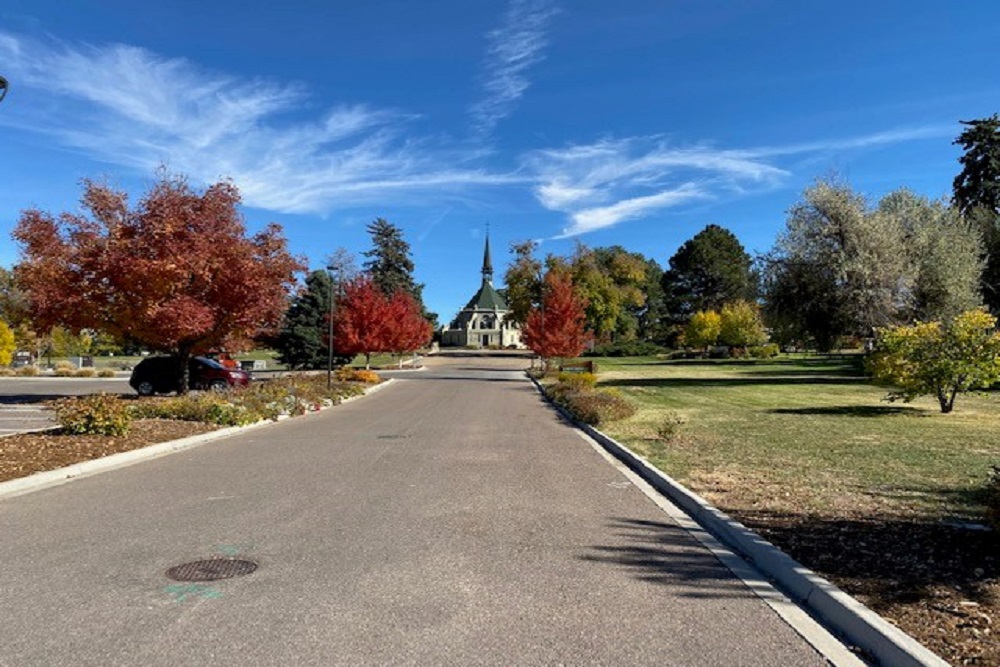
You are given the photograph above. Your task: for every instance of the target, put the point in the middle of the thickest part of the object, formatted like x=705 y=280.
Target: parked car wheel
x=218 y=385
x=146 y=388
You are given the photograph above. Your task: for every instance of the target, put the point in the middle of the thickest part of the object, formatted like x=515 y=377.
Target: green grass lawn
x=806 y=434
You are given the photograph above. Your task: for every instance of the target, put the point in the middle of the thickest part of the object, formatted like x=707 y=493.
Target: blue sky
x=633 y=122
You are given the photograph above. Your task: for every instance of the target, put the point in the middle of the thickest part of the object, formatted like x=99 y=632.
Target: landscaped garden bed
x=889 y=501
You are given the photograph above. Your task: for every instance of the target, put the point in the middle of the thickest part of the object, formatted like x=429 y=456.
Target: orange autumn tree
x=176 y=273
x=557 y=329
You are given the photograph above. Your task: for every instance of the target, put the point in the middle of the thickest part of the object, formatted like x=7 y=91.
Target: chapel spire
x=487 y=262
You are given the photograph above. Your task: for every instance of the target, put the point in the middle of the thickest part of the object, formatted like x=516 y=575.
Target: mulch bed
x=27 y=453
x=937 y=582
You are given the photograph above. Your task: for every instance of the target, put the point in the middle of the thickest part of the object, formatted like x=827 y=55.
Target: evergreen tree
x=707 y=271
x=389 y=263
x=978 y=184
x=977 y=195
x=302 y=342
x=390 y=266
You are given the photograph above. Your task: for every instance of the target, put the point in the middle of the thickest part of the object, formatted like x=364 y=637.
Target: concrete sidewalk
x=453 y=519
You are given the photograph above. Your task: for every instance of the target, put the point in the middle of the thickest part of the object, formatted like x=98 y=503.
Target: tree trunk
x=184 y=358
x=368 y=361
x=946 y=400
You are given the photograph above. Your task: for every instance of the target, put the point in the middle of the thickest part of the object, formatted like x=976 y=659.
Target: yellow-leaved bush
x=938 y=359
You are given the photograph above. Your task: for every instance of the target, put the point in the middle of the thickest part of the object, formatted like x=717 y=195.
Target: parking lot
x=22 y=399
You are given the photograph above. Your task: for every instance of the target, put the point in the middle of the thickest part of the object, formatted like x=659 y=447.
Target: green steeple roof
x=487 y=298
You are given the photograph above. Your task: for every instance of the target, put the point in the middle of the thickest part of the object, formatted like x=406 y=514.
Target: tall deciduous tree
x=710 y=269
x=610 y=280
x=854 y=263
x=557 y=329
x=843 y=267
x=944 y=256
x=14 y=306
x=176 y=273
x=523 y=281
x=651 y=316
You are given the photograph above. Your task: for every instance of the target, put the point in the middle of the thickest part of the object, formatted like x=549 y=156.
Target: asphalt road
x=451 y=519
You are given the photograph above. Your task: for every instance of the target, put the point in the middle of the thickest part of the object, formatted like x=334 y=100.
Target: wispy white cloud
x=602 y=184
x=592 y=219
x=127 y=106
x=511 y=50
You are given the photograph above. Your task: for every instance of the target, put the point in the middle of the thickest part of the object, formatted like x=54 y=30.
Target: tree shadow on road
x=666 y=554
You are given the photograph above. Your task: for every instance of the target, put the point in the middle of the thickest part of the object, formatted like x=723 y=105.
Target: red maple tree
x=368 y=321
x=176 y=273
x=557 y=329
x=408 y=329
x=362 y=319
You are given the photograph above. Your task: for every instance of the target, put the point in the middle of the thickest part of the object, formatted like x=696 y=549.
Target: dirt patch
x=27 y=453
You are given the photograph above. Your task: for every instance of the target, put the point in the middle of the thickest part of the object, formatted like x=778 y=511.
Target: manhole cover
x=212 y=569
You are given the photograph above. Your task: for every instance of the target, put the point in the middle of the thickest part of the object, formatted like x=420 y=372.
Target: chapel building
x=484 y=322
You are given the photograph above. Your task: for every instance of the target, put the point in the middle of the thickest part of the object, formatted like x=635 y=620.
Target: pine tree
x=389 y=263
x=302 y=341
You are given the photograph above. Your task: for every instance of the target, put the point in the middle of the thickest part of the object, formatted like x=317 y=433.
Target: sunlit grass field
x=806 y=434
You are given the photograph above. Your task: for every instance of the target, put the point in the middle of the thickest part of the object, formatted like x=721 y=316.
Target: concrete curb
x=42 y=480
x=840 y=612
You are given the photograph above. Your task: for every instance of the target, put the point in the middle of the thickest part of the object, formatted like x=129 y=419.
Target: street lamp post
x=329 y=342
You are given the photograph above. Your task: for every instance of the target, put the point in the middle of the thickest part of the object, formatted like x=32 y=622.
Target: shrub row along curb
x=41 y=480
x=840 y=612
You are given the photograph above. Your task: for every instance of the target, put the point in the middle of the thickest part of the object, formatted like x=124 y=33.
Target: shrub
x=205 y=407
x=358 y=375
x=28 y=371
x=597 y=407
x=768 y=351
x=64 y=369
x=993 y=497
x=98 y=414
x=578 y=381
x=105 y=373
x=85 y=373
x=6 y=372
x=669 y=426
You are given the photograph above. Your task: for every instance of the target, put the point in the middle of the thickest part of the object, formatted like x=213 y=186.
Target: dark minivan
x=161 y=375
